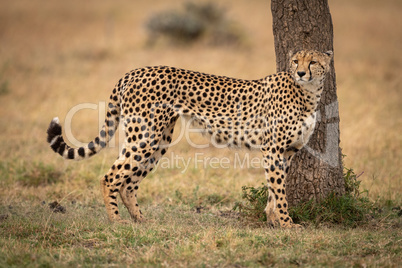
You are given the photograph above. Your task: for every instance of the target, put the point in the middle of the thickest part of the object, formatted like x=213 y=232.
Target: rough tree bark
x=316 y=170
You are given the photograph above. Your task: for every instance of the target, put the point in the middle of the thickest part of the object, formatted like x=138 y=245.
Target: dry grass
x=55 y=55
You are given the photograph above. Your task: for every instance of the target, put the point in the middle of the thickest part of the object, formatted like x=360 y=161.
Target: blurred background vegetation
x=202 y=22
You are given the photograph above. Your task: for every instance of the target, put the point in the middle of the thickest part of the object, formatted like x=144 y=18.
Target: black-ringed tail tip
x=54 y=133
x=57 y=143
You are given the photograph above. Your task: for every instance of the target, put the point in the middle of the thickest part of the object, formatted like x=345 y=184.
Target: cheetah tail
x=57 y=143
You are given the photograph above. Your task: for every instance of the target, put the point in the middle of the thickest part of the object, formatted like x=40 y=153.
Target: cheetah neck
x=312 y=95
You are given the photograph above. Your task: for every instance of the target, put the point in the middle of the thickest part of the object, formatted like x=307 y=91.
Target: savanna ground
x=57 y=54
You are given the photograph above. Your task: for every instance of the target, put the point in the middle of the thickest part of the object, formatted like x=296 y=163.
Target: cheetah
x=275 y=115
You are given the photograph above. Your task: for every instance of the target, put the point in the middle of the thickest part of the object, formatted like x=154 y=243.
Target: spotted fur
x=275 y=115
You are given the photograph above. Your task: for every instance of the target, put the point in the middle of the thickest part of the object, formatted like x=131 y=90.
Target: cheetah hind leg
x=128 y=194
x=110 y=186
x=130 y=187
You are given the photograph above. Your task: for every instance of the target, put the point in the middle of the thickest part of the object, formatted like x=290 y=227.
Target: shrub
x=196 y=21
x=255 y=201
x=349 y=209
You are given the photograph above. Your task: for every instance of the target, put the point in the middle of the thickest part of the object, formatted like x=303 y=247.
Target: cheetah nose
x=301 y=74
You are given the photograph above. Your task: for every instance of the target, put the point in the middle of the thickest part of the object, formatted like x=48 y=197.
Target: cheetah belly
x=224 y=133
x=307 y=128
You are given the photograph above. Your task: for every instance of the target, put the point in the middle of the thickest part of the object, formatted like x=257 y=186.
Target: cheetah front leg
x=277 y=205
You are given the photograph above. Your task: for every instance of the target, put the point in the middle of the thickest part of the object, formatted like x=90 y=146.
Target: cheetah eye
x=313 y=62
x=296 y=61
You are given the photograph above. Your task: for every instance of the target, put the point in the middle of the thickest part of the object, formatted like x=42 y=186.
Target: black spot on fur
x=71 y=153
x=81 y=152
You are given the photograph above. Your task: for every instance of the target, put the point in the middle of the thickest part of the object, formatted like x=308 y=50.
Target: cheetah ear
x=290 y=54
x=329 y=53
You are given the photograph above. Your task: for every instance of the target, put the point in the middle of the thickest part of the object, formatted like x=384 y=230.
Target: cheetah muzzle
x=275 y=115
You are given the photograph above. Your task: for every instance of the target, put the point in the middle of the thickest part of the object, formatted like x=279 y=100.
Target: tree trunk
x=317 y=169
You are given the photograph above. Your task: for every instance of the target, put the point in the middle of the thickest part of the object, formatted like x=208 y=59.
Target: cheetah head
x=308 y=67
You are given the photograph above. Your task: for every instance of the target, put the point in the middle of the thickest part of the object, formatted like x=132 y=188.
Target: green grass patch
x=349 y=210
x=254 y=202
x=198 y=200
x=178 y=236
x=29 y=173
x=37 y=174
x=345 y=210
